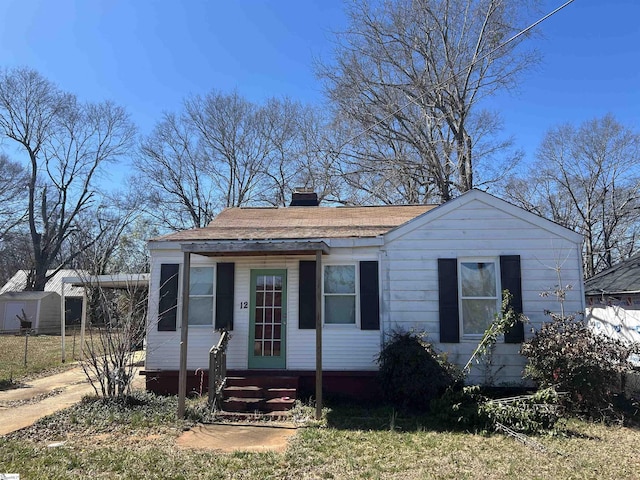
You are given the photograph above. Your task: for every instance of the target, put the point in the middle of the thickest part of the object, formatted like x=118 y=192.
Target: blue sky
x=148 y=55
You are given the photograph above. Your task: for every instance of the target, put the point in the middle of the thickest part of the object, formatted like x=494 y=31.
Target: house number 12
x=244 y=304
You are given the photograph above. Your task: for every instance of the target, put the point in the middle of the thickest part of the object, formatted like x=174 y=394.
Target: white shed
x=42 y=309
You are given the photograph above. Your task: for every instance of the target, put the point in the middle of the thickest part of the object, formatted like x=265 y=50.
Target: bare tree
x=15 y=253
x=587 y=179
x=13 y=195
x=409 y=75
x=223 y=151
x=103 y=231
x=66 y=143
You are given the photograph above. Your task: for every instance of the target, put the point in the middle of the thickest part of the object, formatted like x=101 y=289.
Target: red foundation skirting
x=352 y=385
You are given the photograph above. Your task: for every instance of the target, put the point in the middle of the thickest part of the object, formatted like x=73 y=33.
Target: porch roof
x=244 y=248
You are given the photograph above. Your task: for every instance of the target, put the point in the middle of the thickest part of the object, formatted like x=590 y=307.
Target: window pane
x=477 y=315
x=340 y=309
x=478 y=279
x=201 y=311
x=201 y=281
x=340 y=279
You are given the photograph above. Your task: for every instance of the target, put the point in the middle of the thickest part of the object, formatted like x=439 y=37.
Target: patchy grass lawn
x=137 y=440
x=43 y=355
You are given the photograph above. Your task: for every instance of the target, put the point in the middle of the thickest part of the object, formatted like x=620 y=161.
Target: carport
x=114 y=281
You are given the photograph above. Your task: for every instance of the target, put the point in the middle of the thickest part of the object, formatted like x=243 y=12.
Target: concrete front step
x=253 y=416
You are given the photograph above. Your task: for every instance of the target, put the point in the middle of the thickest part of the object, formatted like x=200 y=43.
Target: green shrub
x=412 y=372
x=469 y=410
x=566 y=355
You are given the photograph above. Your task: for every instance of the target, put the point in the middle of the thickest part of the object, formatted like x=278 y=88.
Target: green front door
x=268 y=319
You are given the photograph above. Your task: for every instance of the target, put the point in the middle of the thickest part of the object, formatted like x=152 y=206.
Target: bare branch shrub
x=116 y=331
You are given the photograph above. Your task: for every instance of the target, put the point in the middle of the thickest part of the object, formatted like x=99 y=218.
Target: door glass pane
x=268 y=299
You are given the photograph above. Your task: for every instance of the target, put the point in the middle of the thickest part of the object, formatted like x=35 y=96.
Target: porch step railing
x=218 y=370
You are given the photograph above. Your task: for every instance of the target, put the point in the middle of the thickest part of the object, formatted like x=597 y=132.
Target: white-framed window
x=479 y=294
x=339 y=293
x=201 y=291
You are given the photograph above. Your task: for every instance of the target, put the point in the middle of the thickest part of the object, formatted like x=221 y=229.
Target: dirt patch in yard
x=232 y=437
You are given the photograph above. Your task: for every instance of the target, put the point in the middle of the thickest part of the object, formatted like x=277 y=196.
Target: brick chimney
x=304 y=197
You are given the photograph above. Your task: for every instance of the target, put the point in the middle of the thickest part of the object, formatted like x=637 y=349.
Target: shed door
x=268 y=317
x=11 y=312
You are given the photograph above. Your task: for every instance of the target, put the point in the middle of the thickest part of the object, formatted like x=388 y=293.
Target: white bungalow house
x=263 y=273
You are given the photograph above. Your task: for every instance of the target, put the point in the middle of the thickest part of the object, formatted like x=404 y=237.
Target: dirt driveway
x=20 y=407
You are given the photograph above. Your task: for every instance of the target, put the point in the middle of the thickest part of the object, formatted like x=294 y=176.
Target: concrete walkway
x=21 y=407
x=232 y=437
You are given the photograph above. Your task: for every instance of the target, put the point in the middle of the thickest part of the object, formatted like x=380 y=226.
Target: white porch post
x=318 y=334
x=62 y=321
x=83 y=321
x=184 y=334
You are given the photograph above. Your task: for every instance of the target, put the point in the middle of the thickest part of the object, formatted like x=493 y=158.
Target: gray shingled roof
x=292 y=223
x=622 y=278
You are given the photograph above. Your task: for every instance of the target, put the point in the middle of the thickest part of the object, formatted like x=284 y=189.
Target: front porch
x=360 y=386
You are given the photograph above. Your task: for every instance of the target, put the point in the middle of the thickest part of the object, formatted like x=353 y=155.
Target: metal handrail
x=218 y=369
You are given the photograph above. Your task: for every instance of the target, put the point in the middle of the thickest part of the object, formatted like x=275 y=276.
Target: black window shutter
x=225 y=301
x=448 y=300
x=307 y=295
x=511 y=280
x=369 y=298
x=168 y=304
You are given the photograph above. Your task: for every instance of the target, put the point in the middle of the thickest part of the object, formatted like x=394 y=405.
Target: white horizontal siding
x=343 y=348
x=476 y=229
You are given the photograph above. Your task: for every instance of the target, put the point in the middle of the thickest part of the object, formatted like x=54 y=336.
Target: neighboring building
x=42 y=308
x=439 y=270
x=613 y=300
